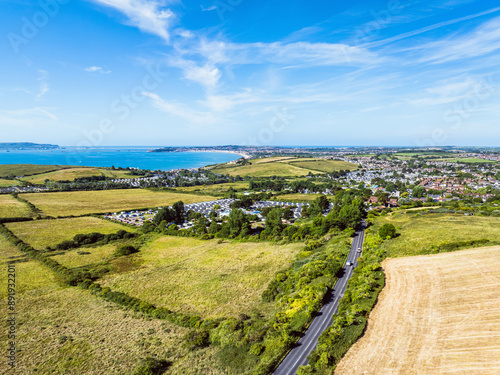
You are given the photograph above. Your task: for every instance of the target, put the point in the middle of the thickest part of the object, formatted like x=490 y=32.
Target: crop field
x=204 y=277
x=284 y=167
x=27 y=169
x=438 y=314
x=104 y=201
x=11 y=207
x=43 y=233
x=70 y=174
x=420 y=231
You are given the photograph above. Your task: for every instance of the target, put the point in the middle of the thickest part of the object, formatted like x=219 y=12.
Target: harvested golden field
x=438 y=314
x=11 y=207
x=203 y=277
x=105 y=201
x=43 y=233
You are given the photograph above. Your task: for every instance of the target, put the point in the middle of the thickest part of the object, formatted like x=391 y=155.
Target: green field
x=105 y=201
x=43 y=233
x=27 y=169
x=98 y=254
x=215 y=189
x=7 y=183
x=11 y=207
x=321 y=165
x=71 y=174
x=420 y=231
x=284 y=167
x=296 y=197
x=204 y=277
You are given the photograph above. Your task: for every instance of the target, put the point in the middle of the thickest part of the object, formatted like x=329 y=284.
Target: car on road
x=359 y=249
x=348 y=263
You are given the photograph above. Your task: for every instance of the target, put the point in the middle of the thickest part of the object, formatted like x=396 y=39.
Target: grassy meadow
x=215 y=189
x=7 y=170
x=418 y=232
x=283 y=167
x=11 y=207
x=7 y=183
x=297 y=197
x=103 y=201
x=204 y=277
x=43 y=233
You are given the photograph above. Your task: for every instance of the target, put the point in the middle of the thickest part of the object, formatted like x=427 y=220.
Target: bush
x=197 y=339
x=125 y=250
x=151 y=366
x=387 y=230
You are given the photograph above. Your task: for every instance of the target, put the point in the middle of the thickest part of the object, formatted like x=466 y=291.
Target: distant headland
x=27 y=146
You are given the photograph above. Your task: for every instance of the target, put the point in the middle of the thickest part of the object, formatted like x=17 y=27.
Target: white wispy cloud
x=180 y=110
x=150 y=16
x=44 y=86
x=26 y=117
x=482 y=41
x=209 y=9
x=97 y=69
x=206 y=75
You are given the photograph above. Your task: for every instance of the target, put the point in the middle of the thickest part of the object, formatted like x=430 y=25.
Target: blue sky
x=160 y=72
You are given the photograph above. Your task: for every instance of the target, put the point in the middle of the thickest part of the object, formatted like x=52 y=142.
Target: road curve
x=307 y=343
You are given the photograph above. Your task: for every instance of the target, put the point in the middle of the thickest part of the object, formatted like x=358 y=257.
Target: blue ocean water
x=135 y=157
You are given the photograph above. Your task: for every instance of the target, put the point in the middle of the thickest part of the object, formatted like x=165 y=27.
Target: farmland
x=437 y=315
x=216 y=188
x=71 y=174
x=103 y=201
x=420 y=231
x=7 y=170
x=204 y=277
x=43 y=233
x=5 y=183
x=11 y=207
x=284 y=167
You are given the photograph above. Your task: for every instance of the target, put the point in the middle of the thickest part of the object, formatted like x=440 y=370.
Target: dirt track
x=438 y=314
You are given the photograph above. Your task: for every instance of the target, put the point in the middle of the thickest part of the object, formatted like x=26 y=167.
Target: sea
x=134 y=157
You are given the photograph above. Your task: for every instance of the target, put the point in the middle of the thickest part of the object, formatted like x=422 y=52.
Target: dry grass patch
x=11 y=207
x=86 y=255
x=7 y=183
x=203 y=277
x=43 y=233
x=103 y=201
x=70 y=331
x=438 y=314
x=217 y=188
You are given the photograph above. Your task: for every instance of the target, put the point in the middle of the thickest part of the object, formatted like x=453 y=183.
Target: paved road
x=298 y=355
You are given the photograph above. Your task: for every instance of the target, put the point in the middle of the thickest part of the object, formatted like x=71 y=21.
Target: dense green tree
x=387 y=231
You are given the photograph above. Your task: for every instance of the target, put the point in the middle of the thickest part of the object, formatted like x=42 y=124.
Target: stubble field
x=438 y=314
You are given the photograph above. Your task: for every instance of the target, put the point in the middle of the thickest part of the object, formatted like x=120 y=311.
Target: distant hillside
x=26 y=146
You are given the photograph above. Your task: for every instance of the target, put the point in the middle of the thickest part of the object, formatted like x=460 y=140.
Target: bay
x=134 y=157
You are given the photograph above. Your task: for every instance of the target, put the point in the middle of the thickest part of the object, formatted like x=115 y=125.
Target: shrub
x=125 y=250
x=196 y=339
x=387 y=230
x=151 y=366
